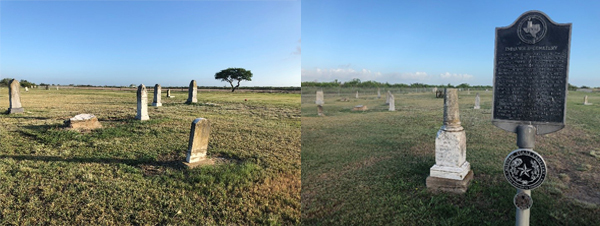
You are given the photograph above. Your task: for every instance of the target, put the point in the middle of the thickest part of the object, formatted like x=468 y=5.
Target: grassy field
x=370 y=167
x=130 y=172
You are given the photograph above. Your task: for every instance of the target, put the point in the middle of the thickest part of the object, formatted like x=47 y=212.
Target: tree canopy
x=234 y=74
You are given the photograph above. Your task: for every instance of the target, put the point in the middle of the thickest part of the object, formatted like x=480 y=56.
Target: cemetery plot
x=364 y=168
x=130 y=172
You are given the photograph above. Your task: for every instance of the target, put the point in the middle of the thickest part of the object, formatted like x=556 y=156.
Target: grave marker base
x=436 y=184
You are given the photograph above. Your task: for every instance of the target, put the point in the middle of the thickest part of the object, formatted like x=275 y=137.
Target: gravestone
x=434 y=89
x=387 y=97
x=439 y=94
x=26 y=89
x=356 y=94
x=320 y=110
x=83 y=122
x=320 y=100
x=530 y=87
x=14 y=97
x=157 y=90
x=378 y=94
x=530 y=73
x=392 y=103
x=56 y=87
x=169 y=93
x=585 y=101
x=192 y=91
x=451 y=172
x=198 y=144
x=47 y=87
x=142 y=103
x=477 y=100
x=360 y=108
x=468 y=91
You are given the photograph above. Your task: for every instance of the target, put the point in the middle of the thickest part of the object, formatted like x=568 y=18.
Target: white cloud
x=460 y=77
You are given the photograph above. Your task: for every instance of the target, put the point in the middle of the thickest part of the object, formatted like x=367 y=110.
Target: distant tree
x=234 y=74
x=585 y=87
x=25 y=83
x=572 y=87
x=463 y=85
x=5 y=81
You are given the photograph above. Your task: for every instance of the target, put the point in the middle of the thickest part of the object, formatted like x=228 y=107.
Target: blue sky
x=432 y=42
x=165 y=42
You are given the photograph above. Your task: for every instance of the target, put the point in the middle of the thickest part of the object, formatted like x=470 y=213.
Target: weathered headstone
x=169 y=93
x=468 y=91
x=451 y=172
x=157 y=91
x=530 y=86
x=192 y=92
x=56 y=87
x=320 y=100
x=83 y=122
x=142 y=103
x=434 y=89
x=356 y=94
x=320 y=110
x=360 y=108
x=47 y=87
x=392 y=103
x=585 y=101
x=14 y=97
x=198 y=144
x=378 y=93
x=477 y=100
x=387 y=97
x=26 y=89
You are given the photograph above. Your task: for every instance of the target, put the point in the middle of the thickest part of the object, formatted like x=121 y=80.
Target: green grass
x=370 y=167
x=130 y=172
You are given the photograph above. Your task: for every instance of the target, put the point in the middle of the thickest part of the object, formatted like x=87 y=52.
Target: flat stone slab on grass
x=83 y=122
x=360 y=108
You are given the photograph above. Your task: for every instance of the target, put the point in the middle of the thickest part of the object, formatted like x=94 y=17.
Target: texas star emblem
x=532 y=29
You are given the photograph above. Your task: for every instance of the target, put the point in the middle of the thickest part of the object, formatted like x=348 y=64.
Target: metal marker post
x=525 y=140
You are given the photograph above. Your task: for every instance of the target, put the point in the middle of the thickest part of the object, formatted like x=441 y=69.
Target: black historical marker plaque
x=525 y=169
x=531 y=65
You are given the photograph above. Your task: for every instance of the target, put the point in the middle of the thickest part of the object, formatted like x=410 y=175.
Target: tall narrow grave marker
x=451 y=172
x=192 y=91
x=14 y=97
x=157 y=90
x=477 y=100
x=142 y=103
x=392 y=103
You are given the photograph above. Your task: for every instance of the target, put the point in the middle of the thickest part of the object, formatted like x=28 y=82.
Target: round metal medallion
x=532 y=29
x=523 y=201
x=525 y=169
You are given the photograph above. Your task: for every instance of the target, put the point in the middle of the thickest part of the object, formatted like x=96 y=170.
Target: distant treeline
x=373 y=84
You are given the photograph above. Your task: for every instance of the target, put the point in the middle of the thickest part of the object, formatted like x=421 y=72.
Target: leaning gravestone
x=451 y=172
x=157 y=90
x=198 y=144
x=192 y=92
x=14 y=97
x=477 y=100
x=530 y=86
x=392 y=103
x=585 y=101
x=83 y=122
x=142 y=103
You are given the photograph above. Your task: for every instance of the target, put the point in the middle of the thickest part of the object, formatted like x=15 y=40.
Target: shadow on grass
x=173 y=164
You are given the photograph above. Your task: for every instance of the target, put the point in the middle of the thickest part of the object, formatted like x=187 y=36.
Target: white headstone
x=157 y=90
x=320 y=100
x=142 y=103
x=198 y=144
x=356 y=94
x=192 y=92
x=378 y=93
x=14 y=97
x=450 y=143
x=392 y=103
x=477 y=100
